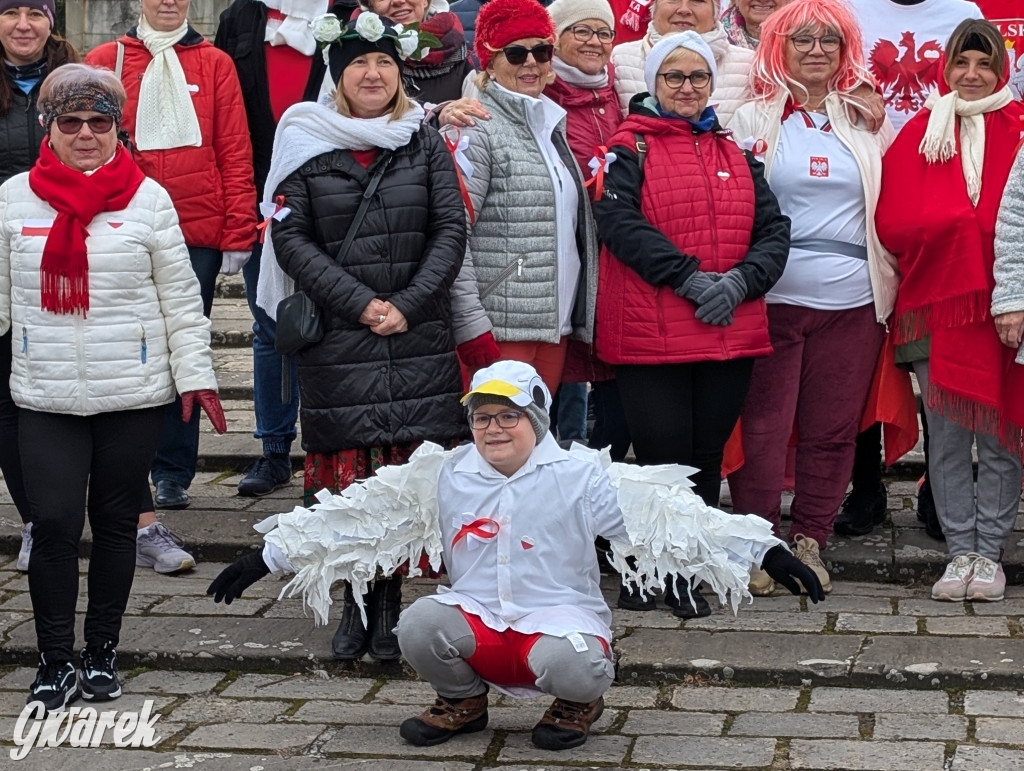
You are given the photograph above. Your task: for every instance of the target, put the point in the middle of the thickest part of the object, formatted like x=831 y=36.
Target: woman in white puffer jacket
x=671 y=16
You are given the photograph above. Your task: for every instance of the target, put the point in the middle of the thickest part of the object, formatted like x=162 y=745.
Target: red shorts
x=500 y=657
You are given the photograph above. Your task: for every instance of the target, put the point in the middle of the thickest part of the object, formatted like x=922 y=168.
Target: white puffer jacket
x=144 y=334
x=731 y=84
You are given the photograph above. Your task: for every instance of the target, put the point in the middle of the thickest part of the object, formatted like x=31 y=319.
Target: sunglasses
x=517 y=54
x=98 y=124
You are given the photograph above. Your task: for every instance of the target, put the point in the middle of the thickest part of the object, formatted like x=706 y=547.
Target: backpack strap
x=120 y=59
x=641 y=149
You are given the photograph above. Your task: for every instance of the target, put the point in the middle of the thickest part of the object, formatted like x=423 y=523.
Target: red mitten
x=211 y=406
x=479 y=352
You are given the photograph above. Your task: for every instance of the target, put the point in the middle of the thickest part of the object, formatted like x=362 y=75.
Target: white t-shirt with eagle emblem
x=902 y=46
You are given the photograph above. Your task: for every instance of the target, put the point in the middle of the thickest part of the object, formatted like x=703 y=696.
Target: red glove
x=479 y=352
x=211 y=406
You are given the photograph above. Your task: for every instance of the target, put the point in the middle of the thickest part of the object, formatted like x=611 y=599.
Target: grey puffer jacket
x=1008 y=270
x=509 y=278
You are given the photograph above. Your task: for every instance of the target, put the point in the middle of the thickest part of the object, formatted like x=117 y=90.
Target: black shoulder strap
x=371 y=188
x=641 y=149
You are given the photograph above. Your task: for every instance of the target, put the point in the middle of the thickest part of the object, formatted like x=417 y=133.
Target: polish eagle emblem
x=906 y=72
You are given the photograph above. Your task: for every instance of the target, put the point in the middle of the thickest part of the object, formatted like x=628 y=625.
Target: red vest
x=698 y=191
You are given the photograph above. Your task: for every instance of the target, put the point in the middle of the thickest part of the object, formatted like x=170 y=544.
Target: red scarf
x=447 y=28
x=64 y=270
x=945 y=250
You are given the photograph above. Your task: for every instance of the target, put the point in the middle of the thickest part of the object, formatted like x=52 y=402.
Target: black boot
x=862 y=511
x=677 y=599
x=629 y=595
x=385 y=605
x=351 y=640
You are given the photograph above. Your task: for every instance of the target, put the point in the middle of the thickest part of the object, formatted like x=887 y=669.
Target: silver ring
x=381 y=318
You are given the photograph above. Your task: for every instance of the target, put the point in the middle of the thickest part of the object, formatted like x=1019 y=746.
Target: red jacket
x=212 y=185
x=592 y=116
x=699 y=203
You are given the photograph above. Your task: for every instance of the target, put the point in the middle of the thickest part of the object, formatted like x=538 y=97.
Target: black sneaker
x=99 y=673
x=265 y=476
x=862 y=510
x=56 y=683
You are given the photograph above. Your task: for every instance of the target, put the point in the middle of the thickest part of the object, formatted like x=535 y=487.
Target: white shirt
x=900 y=39
x=530 y=565
x=818 y=184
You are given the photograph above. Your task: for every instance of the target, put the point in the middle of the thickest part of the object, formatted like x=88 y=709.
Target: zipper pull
x=143 y=347
x=24 y=339
x=519 y=271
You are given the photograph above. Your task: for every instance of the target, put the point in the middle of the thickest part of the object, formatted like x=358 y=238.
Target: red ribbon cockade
x=453 y=146
x=482 y=528
x=597 y=180
x=262 y=227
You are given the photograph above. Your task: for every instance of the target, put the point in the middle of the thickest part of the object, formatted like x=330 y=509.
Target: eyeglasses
x=804 y=43
x=98 y=124
x=675 y=79
x=479 y=421
x=584 y=33
x=517 y=54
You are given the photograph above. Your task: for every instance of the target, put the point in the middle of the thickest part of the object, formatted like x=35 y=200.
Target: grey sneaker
x=988 y=582
x=952 y=587
x=158 y=548
x=26 y=548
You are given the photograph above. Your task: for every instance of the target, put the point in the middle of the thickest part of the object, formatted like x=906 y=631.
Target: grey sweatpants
x=979 y=525
x=436 y=640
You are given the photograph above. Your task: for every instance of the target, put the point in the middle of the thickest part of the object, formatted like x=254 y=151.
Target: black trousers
x=10 y=458
x=684 y=413
x=73 y=463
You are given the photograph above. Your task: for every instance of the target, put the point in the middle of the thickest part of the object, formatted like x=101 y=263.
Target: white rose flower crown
x=411 y=42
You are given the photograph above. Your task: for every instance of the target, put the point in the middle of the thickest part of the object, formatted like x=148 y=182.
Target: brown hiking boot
x=566 y=724
x=446 y=718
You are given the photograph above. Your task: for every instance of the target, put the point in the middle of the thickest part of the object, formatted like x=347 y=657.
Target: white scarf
x=293 y=31
x=577 y=78
x=166 y=117
x=717 y=40
x=307 y=130
x=939 y=143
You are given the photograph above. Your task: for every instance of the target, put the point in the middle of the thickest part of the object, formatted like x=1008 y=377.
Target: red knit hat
x=501 y=22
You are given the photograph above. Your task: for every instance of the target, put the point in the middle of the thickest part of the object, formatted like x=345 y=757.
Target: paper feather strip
x=375 y=525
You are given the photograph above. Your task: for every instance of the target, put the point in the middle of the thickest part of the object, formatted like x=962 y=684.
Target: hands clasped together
x=383 y=318
x=716 y=295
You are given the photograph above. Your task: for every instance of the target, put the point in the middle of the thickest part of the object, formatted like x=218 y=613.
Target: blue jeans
x=569 y=412
x=179 y=441
x=275 y=418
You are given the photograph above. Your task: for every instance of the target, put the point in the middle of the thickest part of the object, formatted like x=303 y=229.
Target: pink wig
x=769 y=74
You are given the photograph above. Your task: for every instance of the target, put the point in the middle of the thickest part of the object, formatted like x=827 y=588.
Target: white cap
x=689 y=40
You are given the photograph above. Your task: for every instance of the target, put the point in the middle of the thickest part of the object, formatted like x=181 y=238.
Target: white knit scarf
x=307 y=130
x=939 y=142
x=293 y=31
x=577 y=78
x=717 y=40
x=166 y=117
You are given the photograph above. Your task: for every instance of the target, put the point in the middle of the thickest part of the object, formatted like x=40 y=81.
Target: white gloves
x=232 y=262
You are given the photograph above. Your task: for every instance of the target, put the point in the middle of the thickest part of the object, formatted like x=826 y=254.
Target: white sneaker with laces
x=26 y=548
x=158 y=548
x=988 y=583
x=952 y=587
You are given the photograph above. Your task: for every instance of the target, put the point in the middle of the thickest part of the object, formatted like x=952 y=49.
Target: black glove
x=787 y=570
x=238 y=576
x=716 y=303
x=695 y=285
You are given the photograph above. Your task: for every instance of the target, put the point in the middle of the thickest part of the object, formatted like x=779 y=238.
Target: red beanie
x=501 y=22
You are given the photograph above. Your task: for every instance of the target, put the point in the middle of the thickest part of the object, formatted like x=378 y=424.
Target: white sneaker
x=988 y=583
x=952 y=587
x=26 y=548
x=158 y=548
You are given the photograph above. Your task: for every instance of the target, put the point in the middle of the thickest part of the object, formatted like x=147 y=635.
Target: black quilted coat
x=359 y=389
x=20 y=133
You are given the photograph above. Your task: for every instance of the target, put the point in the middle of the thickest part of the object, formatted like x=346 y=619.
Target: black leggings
x=70 y=463
x=10 y=458
x=684 y=413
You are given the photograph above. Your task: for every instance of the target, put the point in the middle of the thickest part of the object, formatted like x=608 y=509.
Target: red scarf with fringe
x=64 y=270
x=945 y=250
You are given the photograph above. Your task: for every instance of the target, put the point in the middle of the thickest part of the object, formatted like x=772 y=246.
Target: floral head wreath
x=409 y=40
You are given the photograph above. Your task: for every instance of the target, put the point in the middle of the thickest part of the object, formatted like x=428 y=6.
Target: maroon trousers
x=818 y=376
